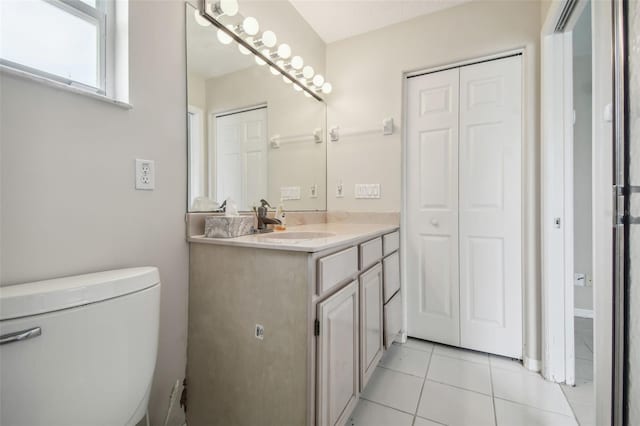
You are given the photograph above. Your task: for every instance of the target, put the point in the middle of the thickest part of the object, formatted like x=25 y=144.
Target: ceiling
x=335 y=20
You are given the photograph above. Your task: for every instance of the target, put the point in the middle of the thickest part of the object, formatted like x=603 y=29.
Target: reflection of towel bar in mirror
x=277 y=140
x=387 y=129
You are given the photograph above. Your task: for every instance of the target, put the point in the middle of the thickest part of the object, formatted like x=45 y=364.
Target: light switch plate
x=145 y=174
x=367 y=190
x=313 y=192
x=290 y=193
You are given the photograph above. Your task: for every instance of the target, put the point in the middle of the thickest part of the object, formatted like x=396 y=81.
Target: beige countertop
x=343 y=234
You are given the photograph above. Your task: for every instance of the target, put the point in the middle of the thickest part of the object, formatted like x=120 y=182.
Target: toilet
x=80 y=350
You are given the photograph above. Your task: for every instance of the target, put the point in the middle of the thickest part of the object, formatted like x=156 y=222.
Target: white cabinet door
x=432 y=207
x=490 y=206
x=370 y=322
x=338 y=372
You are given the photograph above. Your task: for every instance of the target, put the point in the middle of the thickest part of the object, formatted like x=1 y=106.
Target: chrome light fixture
x=279 y=59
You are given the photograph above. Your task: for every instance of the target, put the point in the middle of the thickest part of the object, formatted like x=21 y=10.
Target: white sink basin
x=296 y=236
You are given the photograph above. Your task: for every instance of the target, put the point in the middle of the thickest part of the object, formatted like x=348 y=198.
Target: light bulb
x=269 y=38
x=284 y=51
x=327 y=88
x=297 y=88
x=318 y=80
x=243 y=50
x=223 y=37
x=199 y=19
x=307 y=72
x=297 y=62
x=250 y=25
x=260 y=61
x=229 y=7
x=286 y=79
x=274 y=71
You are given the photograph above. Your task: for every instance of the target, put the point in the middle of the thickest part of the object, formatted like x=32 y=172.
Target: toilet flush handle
x=20 y=335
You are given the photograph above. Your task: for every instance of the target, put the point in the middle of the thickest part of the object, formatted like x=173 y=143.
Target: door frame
x=558 y=363
x=528 y=164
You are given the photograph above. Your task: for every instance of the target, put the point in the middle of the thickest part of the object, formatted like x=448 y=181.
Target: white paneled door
x=241 y=157
x=463 y=201
x=490 y=207
x=432 y=207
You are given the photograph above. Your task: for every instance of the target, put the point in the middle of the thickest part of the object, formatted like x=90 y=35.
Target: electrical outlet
x=145 y=174
x=259 y=332
x=339 y=190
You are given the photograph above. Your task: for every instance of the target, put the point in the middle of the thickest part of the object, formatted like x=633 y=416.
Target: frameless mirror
x=251 y=136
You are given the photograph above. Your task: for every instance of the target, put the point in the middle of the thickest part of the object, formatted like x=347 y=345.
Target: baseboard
x=532 y=364
x=583 y=313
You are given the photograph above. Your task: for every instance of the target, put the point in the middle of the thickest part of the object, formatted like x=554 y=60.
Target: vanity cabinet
x=371 y=322
x=326 y=317
x=338 y=372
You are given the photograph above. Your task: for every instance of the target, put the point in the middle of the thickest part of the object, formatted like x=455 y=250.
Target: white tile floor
x=425 y=384
x=582 y=396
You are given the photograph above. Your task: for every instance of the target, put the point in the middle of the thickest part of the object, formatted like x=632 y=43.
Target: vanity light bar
x=265 y=58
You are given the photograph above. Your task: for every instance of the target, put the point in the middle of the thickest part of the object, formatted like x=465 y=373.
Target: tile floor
x=424 y=384
x=581 y=396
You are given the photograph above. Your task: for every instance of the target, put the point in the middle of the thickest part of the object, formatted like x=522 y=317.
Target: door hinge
x=316 y=328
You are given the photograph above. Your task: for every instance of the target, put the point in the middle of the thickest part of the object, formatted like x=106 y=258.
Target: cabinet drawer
x=392 y=319
x=391 y=242
x=336 y=268
x=370 y=252
x=391 y=273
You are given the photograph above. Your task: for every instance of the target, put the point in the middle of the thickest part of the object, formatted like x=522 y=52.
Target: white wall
x=366 y=72
x=582 y=146
x=68 y=204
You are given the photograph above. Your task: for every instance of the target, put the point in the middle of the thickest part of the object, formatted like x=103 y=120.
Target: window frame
x=98 y=16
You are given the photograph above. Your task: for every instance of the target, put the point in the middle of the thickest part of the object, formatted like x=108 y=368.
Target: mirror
x=251 y=136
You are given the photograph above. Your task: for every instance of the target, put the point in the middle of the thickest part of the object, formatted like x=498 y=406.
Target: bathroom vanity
x=287 y=328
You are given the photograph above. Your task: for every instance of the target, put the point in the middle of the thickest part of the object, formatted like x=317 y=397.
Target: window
x=61 y=40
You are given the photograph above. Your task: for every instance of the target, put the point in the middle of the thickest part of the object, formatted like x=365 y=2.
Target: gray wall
x=582 y=146
x=68 y=204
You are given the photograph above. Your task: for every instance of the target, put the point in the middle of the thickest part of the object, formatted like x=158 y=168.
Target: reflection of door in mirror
x=196 y=154
x=241 y=156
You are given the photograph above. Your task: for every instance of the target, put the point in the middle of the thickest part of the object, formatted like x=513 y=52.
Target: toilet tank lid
x=40 y=297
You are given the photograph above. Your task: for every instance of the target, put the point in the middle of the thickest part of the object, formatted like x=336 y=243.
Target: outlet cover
x=145 y=174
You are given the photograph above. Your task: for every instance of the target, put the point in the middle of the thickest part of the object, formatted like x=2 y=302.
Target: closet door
x=432 y=207
x=490 y=207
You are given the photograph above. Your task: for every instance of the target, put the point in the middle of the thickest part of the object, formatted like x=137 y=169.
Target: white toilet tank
x=79 y=351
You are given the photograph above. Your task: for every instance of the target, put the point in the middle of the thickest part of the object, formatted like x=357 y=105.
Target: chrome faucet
x=263 y=220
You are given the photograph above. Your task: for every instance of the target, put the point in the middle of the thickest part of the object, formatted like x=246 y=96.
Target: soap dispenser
x=280 y=215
